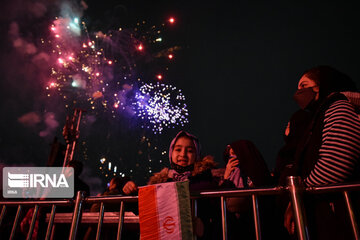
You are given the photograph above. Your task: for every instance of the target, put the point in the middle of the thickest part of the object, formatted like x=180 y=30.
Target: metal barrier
x=36 y=205
x=294 y=188
x=253 y=193
x=112 y=199
x=76 y=215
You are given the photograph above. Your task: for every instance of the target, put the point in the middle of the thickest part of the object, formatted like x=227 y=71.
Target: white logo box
x=38 y=182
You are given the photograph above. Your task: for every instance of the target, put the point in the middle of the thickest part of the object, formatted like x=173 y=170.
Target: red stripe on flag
x=149 y=226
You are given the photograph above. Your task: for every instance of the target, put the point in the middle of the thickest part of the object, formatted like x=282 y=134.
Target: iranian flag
x=164 y=211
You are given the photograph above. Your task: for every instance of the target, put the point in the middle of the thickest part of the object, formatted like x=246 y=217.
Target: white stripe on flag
x=168 y=209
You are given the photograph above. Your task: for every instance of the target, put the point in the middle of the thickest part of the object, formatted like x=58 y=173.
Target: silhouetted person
x=79 y=185
x=109 y=232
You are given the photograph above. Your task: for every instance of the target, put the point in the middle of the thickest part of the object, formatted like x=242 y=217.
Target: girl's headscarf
x=180 y=173
x=190 y=136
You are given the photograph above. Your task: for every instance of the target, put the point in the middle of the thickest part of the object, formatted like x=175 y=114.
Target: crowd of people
x=321 y=145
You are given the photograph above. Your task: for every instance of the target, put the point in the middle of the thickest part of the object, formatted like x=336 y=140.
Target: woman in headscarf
x=187 y=164
x=328 y=150
x=246 y=168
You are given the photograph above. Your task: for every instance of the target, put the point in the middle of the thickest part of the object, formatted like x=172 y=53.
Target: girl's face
x=184 y=152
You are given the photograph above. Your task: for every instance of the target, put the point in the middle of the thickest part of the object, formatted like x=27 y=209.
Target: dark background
x=238 y=67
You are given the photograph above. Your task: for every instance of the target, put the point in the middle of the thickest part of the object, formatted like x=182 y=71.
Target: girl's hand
x=230 y=166
x=129 y=188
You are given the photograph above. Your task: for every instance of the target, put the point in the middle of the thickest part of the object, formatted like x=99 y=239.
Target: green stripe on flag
x=185 y=210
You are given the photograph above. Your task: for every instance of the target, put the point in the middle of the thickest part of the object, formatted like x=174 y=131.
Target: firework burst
x=118 y=74
x=161 y=106
x=80 y=71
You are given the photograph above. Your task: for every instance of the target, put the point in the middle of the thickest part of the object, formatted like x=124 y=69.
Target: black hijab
x=251 y=162
x=330 y=80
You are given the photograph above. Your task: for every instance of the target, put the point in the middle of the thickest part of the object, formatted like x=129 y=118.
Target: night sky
x=238 y=65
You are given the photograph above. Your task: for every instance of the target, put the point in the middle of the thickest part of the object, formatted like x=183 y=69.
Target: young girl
x=186 y=164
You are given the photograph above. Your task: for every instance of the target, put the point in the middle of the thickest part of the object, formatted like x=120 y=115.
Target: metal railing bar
x=244 y=192
x=255 y=205
x=3 y=211
x=16 y=221
x=194 y=208
x=223 y=218
x=332 y=188
x=51 y=222
x=53 y=232
x=101 y=218
x=76 y=216
x=294 y=184
x=121 y=221
x=93 y=218
x=39 y=202
x=32 y=224
x=110 y=199
x=351 y=215
x=277 y=190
